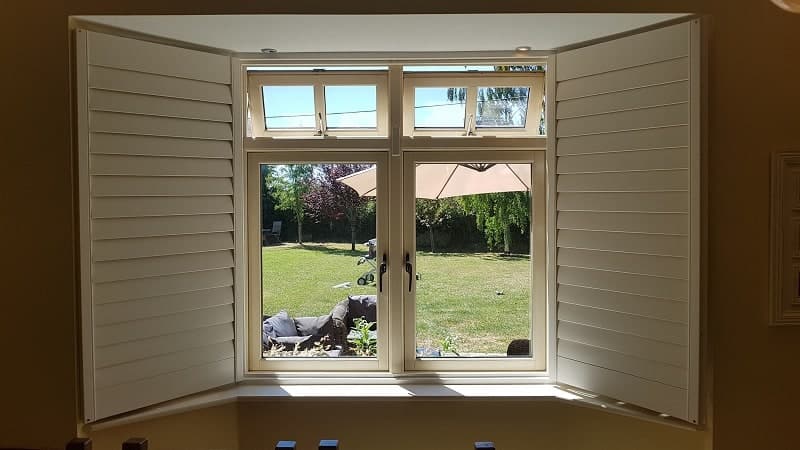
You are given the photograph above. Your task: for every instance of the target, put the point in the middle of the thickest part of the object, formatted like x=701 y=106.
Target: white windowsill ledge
x=373 y=392
x=256 y=392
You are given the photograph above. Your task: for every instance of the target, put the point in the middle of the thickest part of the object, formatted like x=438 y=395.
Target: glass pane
x=473 y=260
x=315 y=69
x=448 y=68
x=502 y=107
x=536 y=68
x=439 y=107
x=351 y=106
x=318 y=261
x=288 y=107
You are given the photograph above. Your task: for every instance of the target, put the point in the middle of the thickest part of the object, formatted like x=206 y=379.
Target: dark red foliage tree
x=334 y=201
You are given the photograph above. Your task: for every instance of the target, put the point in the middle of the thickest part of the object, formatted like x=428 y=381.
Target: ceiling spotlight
x=788 y=5
x=269 y=50
x=523 y=48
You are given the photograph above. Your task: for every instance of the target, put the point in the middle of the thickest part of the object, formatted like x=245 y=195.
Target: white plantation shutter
x=157 y=222
x=628 y=219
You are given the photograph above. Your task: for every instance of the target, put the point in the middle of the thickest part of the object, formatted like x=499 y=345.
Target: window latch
x=409 y=271
x=469 y=128
x=382 y=270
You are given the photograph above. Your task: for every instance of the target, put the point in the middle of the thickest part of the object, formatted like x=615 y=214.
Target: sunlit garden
x=480 y=300
x=473 y=269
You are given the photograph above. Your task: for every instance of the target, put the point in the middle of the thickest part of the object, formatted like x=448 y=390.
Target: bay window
x=391 y=224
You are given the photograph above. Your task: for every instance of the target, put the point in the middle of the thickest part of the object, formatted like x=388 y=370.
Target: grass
x=457 y=293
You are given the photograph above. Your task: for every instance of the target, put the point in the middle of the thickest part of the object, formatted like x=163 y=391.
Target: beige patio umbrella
x=435 y=180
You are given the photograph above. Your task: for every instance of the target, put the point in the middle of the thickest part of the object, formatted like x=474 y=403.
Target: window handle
x=469 y=128
x=409 y=271
x=382 y=271
x=321 y=128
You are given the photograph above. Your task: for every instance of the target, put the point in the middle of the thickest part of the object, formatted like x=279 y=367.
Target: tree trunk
x=299 y=231
x=507 y=239
x=430 y=235
x=352 y=235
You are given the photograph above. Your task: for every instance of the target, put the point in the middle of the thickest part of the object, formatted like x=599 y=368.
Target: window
x=322 y=260
x=301 y=104
x=486 y=103
x=316 y=290
x=472 y=278
x=474 y=237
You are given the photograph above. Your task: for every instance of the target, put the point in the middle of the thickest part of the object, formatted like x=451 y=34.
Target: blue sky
x=354 y=106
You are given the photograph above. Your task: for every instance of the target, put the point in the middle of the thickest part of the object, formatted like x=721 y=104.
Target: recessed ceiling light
x=523 y=48
x=269 y=50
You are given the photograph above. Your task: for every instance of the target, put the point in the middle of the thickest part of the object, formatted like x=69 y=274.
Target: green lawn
x=457 y=294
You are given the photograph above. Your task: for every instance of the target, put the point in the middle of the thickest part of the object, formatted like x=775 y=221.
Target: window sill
x=252 y=392
x=269 y=392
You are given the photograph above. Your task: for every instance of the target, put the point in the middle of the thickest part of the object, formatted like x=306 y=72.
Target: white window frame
x=472 y=81
x=254 y=291
x=256 y=80
x=396 y=355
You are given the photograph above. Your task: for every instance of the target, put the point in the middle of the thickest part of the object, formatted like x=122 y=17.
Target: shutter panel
x=157 y=222
x=628 y=219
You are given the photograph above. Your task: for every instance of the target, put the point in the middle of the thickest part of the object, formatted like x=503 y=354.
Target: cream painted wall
x=754 y=96
x=210 y=428
x=453 y=426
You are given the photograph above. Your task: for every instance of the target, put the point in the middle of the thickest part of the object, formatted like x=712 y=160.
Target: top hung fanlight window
x=479 y=100
x=304 y=104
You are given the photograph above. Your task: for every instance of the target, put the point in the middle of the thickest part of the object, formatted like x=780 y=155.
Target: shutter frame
x=603 y=166
x=156 y=156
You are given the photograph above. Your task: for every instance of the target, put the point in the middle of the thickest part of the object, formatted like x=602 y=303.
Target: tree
x=332 y=200
x=432 y=213
x=290 y=184
x=495 y=213
x=267 y=195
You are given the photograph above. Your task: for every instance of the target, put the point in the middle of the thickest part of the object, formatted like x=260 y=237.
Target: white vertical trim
x=540 y=334
x=471 y=108
x=395 y=224
x=408 y=291
x=239 y=220
x=382 y=234
x=320 y=113
x=695 y=215
x=84 y=211
x=550 y=130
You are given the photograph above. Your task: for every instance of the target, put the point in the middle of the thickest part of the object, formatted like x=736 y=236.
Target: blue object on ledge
x=329 y=444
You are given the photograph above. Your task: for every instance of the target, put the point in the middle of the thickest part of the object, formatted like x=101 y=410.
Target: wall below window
x=401 y=425
x=210 y=428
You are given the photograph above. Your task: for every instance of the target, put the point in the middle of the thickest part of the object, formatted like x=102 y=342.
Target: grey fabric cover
x=313 y=326
x=339 y=312
x=279 y=325
x=365 y=306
